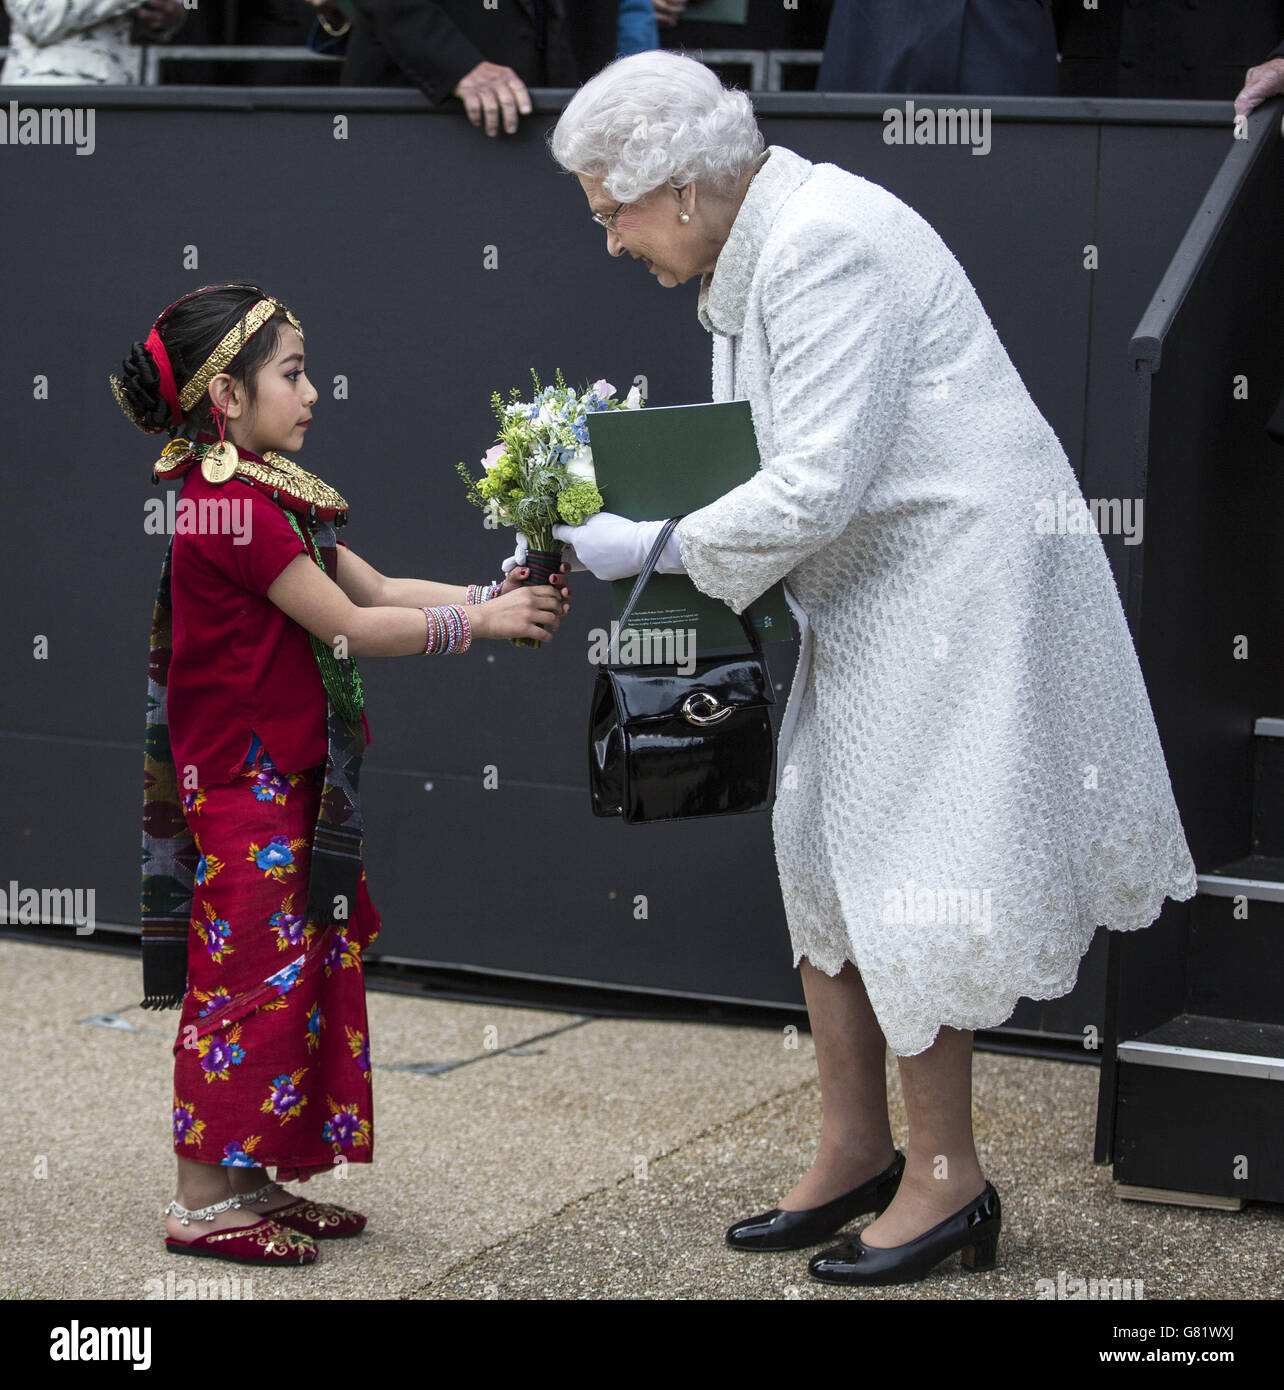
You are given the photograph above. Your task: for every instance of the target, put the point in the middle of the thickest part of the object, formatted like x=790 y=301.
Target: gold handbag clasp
x=712 y=713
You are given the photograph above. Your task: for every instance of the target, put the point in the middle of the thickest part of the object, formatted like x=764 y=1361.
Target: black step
x=1200 y=1108
x=1209 y=1043
x=1268 y=787
x=1257 y=867
x=1235 y=949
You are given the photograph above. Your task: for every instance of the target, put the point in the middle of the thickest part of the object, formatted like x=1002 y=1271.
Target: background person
x=77 y=42
x=486 y=58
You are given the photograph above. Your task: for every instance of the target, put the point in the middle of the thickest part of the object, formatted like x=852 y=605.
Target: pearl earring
x=684 y=217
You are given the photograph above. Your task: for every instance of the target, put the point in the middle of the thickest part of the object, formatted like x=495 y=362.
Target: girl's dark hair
x=191 y=332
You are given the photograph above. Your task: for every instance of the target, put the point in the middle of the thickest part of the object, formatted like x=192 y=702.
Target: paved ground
x=573 y=1158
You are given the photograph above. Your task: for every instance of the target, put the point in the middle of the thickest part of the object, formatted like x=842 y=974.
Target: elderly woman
x=971 y=780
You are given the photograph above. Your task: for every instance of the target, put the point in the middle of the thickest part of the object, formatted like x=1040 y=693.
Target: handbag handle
x=648 y=568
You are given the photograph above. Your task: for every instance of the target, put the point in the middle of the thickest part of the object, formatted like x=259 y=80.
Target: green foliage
x=575 y=504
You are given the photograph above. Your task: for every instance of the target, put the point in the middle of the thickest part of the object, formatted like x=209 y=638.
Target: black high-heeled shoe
x=793 y=1230
x=973 y=1229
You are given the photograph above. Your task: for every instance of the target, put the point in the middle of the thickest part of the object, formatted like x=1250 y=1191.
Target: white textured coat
x=70 y=42
x=974 y=781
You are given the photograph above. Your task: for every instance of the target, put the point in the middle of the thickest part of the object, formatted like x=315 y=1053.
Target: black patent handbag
x=667 y=746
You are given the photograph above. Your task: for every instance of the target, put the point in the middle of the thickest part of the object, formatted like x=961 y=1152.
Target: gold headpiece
x=126 y=408
x=232 y=342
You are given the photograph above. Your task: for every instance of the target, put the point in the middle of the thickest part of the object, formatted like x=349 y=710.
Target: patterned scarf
x=169 y=855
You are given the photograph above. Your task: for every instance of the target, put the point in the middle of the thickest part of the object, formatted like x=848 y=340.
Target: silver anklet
x=201 y=1213
x=260 y=1194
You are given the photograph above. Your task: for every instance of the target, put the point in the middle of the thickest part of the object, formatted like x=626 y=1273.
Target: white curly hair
x=653 y=118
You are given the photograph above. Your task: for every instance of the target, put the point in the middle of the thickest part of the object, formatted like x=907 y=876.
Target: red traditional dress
x=272 y=1057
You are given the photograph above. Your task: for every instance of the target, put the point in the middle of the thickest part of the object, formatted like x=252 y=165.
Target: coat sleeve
x=840 y=331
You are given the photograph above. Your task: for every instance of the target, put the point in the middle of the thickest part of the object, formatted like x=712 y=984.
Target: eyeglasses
x=607 y=219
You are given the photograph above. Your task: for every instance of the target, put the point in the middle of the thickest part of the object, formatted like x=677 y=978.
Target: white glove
x=612 y=547
x=518 y=557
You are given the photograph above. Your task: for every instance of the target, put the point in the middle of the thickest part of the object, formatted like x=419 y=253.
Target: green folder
x=664 y=461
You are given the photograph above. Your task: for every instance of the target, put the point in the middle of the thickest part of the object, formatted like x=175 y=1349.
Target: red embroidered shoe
x=320 y=1220
x=263 y=1243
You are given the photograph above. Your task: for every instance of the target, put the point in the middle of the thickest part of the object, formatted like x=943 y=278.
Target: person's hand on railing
x=161 y=19
x=667 y=12
x=490 y=88
x=1261 y=83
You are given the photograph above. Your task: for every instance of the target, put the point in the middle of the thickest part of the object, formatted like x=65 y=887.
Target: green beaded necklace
x=340 y=677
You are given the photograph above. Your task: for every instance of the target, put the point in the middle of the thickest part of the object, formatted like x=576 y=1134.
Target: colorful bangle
x=483 y=593
x=466 y=626
x=449 y=631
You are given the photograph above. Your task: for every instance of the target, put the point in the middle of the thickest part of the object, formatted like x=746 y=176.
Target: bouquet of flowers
x=540 y=470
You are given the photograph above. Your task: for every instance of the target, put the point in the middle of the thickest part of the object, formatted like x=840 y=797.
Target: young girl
x=254 y=904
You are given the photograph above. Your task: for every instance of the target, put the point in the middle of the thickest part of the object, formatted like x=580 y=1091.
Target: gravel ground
x=527 y=1154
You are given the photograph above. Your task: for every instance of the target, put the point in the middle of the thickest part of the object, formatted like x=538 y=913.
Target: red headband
x=154 y=345
x=168 y=387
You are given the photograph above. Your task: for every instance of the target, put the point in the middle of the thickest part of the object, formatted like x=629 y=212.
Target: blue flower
x=284 y=980
x=275 y=852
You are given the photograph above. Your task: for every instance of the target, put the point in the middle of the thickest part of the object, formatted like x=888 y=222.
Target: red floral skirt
x=272 y=1058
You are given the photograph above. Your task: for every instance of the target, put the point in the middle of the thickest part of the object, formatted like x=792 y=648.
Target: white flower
x=634 y=399
x=580 y=465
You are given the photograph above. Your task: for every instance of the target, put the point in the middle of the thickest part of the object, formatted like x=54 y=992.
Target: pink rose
x=491 y=456
x=603 y=388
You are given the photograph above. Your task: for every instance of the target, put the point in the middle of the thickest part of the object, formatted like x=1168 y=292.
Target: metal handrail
x=765 y=64
x=157 y=53
x=777 y=58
